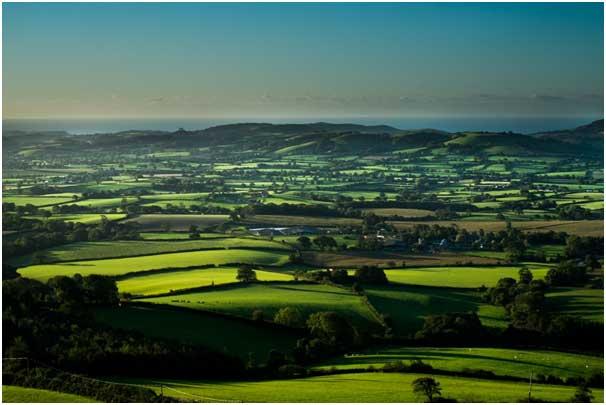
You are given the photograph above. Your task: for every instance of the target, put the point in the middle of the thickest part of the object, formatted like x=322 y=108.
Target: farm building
x=285 y=231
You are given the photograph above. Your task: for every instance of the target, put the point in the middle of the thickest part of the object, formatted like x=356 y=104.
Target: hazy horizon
x=302 y=60
x=451 y=124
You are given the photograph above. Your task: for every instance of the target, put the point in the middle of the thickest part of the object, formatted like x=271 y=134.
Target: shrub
x=289 y=316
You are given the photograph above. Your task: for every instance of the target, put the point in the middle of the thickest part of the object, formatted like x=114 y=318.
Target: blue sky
x=298 y=60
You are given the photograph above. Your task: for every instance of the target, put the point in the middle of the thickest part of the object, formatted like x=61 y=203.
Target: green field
x=408 y=305
x=439 y=212
x=581 y=228
x=176 y=280
x=505 y=362
x=176 y=222
x=174 y=196
x=403 y=212
x=578 y=302
x=223 y=334
x=462 y=277
x=104 y=202
x=363 y=387
x=103 y=250
x=243 y=300
x=172 y=235
x=113 y=267
x=38 y=201
x=83 y=218
x=11 y=393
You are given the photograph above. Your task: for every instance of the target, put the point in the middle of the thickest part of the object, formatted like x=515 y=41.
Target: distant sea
x=89 y=126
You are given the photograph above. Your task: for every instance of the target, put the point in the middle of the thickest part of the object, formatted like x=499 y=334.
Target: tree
x=39 y=257
x=100 y=290
x=258 y=315
x=451 y=327
x=371 y=274
x=339 y=276
x=325 y=242
x=331 y=328
x=427 y=387
x=514 y=250
x=194 y=232
x=246 y=274
x=289 y=316
x=525 y=275
x=582 y=394
x=567 y=273
x=305 y=242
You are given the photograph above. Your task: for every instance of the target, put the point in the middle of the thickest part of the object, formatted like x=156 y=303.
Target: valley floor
x=361 y=387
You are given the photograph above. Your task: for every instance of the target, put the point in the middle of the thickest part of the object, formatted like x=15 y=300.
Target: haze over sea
x=105 y=125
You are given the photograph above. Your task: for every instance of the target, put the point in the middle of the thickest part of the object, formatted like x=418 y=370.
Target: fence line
x=151 y=387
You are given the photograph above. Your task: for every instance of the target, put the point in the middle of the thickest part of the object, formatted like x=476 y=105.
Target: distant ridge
x=329 y=138
x=592 y=134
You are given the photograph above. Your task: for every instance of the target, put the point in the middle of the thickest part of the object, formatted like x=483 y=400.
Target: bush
x=567 y=273
x=258 y=315
x=452 y=328
x=371 y=275
x=289 y=316
x=292 y=370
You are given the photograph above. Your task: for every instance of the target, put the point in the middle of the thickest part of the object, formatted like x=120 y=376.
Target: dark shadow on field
x=78 y=264
x=587 y=305
x=408 y=305
x=429 y=355
x=309 y=290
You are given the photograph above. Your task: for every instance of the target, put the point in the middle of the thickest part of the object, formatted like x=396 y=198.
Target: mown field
x=38 y=201
x=502 y=362
x=83 y=218
x=578 y=302
x=176 y=280
x=102 y=250
x=461 y=277
x=243 y=300
x=175 y=235
x=388 y=258
x=185 y=290
x=114 y=267
x=219 y=333
x=176 y=222
x=581 y=228
x=408 y=305
x=403 y=212
x=14 y=394
x=104 y=202
x=362 y=387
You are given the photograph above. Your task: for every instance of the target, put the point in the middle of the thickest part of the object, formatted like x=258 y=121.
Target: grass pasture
x=114 y=249
x=38 y=201
x=176 y=222
x=581 y=228
x=460 y=277
x=171 y=236
x=243 y=300
x=386 y=258
x=362 y=387
x=115 y=267
x=578 y=302
x=82 y=218
x=292 y=220
x=14 y=394
x=160 y=283
x=219 y=333
x=408 y=305
x=104 y=202
x=403 y=212
x=503 y=362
